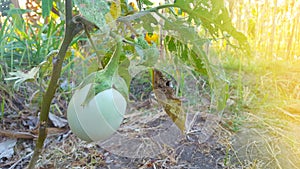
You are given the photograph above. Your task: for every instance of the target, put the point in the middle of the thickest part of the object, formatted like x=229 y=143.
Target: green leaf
x=214 y=17
x=46 y=7
x=146 y=2
x=17 y=11
x=189 y=39
x=16 y=14
x=183 y=3
x=170 y=41
x=94 y=11
x=141 y=42
x=147 y=20
x=93 y=67
x=123 y=69
x=186 y=54
x=197 y=62
x=148 y=53
x=150 y=56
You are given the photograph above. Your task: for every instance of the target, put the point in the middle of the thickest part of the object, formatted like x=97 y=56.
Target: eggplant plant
x=181 y=38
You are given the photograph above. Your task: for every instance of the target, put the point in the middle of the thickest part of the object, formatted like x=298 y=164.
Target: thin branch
x=93 y=46
x=137 y=15
x=69 y=7
x=88 y=27
x=16 y=134
x=21 y=159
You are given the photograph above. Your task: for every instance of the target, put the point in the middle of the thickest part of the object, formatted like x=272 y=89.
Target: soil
x=147 y=138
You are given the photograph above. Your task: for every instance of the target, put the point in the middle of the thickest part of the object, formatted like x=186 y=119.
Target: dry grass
x=269 y=137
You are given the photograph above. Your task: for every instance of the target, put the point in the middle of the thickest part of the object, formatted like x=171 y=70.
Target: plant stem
x=113 y=64
x=126 y=19
x=94 y=47
x=71 y=30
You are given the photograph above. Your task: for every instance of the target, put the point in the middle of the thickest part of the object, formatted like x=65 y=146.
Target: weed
x=28 y=47
x=2 y=108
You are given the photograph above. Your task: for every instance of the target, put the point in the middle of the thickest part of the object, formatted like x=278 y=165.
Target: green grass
x=28 y=45
x=2 y=108
x=266 y=89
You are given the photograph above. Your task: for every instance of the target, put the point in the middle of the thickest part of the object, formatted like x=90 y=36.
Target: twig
x=88 y=27
x=94 y=46
x=17 y=162
x=16 y=134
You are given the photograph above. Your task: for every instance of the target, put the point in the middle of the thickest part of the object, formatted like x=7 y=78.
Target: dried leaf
x=165 y=96
x=21 y=77
x=57 y=121
x=7 y=148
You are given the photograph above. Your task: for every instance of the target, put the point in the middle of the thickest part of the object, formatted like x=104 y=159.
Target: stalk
x=113 y=64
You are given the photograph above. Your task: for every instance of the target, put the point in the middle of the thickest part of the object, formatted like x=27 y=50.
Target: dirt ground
x=144 y=145
x=147 y=138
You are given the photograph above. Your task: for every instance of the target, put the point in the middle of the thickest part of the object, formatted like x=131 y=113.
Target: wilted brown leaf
x=165 y=96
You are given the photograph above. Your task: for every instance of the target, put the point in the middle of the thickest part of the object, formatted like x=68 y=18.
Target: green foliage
x=146 y=2
x=123 y=69
x=199 y=60
x=2 y=108
x=146 y=22
x=94 y=11
x=46 y=7
x=148 y=53
x=182 y=40
x=27 y=45
x=16 y=15
x=214 y=17
x=185 y=54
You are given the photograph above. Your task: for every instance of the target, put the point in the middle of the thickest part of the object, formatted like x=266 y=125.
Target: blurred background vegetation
x=272 y=27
